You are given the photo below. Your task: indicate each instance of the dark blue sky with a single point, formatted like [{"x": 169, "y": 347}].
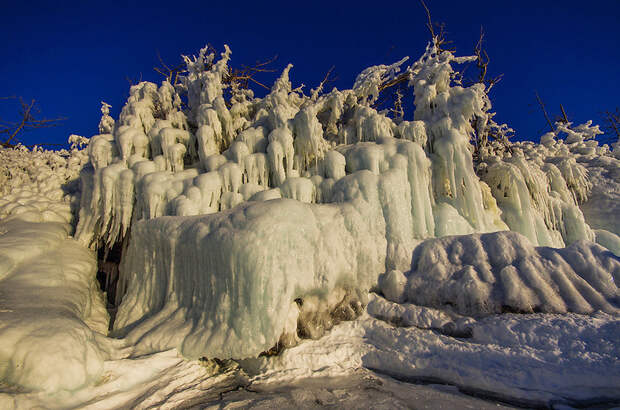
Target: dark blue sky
[{"x": 72, "y": 55}]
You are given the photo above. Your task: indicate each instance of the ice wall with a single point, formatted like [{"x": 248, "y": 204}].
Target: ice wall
[{"x": 223, "y": 285}]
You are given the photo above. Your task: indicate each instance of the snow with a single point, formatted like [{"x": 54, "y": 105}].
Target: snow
[
  {"x": 530, "y": 360},
  {"x": 52, "y": 314},
  {"x": 58, "y": 328},
  {"x": 310, "y": 249},
  {"x": 496, "y": 272}
]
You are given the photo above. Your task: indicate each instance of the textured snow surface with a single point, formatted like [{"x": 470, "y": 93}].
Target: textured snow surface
[
  {"x": 502, "y": 271},
  {"x": 531, "y": 360},
  {"x": 51, "y": 308},
  {"x": 539, "y": 360},
  {"x": 165, "y": 380}
]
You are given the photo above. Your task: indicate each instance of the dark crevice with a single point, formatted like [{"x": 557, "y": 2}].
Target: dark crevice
[{"x": 108, "y": 262}]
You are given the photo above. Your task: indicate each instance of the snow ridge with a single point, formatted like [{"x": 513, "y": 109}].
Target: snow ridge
[{"x": 498, "y": 272}]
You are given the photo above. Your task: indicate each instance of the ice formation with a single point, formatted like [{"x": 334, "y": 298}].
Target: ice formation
[
  {"x": 498, "y": 272},
  {"x": 161, "y": 160},
  {"x": 248, "y": 223},
  {"x": 539, "y": 188},
  {"x": 39, "y": 184},
  {"x": 237, "y": 205},
  {"x": 231, "y": 293}
]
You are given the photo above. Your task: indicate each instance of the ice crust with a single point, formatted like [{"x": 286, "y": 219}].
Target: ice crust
[{"x": 237, "y": 207}]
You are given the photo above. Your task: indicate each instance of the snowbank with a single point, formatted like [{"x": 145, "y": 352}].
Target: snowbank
[
  {"x": 51, "y": 310},
  {"x": 502, "y": 271},
  {"x": 538, "y": 360},
  {"x": 52, "y": 314}
]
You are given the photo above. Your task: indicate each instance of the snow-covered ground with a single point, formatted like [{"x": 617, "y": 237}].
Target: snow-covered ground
[{"x": 308, "y": 250}]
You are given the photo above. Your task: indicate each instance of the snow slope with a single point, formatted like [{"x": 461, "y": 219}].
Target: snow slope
[
  {"x": 51, "y": 308},
  {"x": 52, "y": 314}
]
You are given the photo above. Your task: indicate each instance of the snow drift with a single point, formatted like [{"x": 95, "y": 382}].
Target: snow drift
[
  {"x": 51, "y": 308},
  {"x": 499, "y": 272}
]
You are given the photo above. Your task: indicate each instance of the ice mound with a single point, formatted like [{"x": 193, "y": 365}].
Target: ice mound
[
  {"x": 609, "y": 240},
  {"x": 421, "y": 317},
  {"x": 502, "y": 271},
  {"x": 224, "y": 285},
  {"x": 602, "y": 208},
  {"x": 51, "y": 308},
  {"x": 539, "y": 188}
]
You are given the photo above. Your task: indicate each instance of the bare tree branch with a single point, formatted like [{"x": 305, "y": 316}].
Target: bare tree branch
[
  {"x": 132, "y": 81},
  {"x": 326, "y": 80},
  {"x": 429, "y": 23},
  {"x": 482, "y": 62},
  {"x": 439, "y": 38},
  {"x": 542, "y": 106},
  {"x": 565, "y": 117},
  {"x": 28, "y": 121},
  {"x": 612, "y": 120},
  {"x": 244, "y": 75},
  {"x": 171, "y": 74}
]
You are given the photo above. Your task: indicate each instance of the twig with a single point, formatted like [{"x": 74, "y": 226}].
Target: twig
[
  {"x": 27, "y": 121},
  {"x": 564, "y": 114},
  {"x": 542, "y": 106},
  {"x": 429, "y": 23}
]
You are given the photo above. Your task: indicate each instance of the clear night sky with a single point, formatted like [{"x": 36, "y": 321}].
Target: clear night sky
[{"x": 72, "y": 55}]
